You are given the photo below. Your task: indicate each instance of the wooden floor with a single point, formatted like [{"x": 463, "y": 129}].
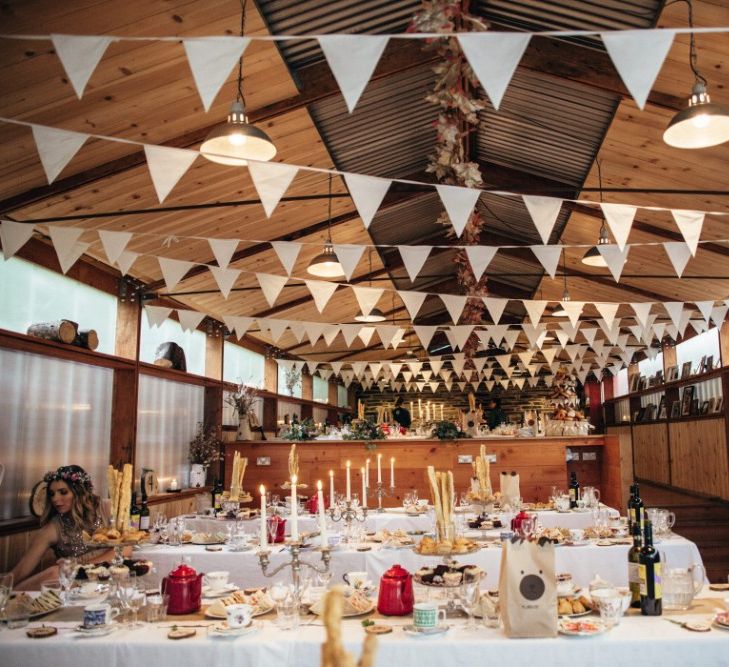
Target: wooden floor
[{"x": 704, "y": 521}]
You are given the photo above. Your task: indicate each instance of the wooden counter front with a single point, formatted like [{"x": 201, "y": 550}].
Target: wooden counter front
[{"x": 540, "y": 462}]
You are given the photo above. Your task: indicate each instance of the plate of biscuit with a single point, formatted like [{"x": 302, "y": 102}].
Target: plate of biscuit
[
  {"x": 112, "y": 537},
  {"x": 574, "y": 606},
  {"x": 429, "y": 546}
]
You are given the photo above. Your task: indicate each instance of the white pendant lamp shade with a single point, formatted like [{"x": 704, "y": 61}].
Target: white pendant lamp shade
[
  {"x": 326, "y": 264},
  {"x": 593, "y": 257},
  {"x": 236, "y": 141},
  {"x": 376, "y": 315},
  {"x": 700, "y": 125}
]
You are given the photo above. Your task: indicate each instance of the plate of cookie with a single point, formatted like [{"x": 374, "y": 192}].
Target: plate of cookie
[
  {"x": 574, "y": 606},
  {"x": 429, "y": 546}
]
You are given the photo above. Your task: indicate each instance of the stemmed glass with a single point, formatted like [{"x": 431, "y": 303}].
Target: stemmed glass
[
  {"x": 407, "y": 501},
  {"x": 6, "y": 588},
  {"x": 132, "y": 597},
  {"x": 66, "y": 572},
  {"x": 470, "y": 597}
]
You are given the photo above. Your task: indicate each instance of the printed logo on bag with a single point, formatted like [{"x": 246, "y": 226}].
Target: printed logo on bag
[{"x": 532, "y": 587}]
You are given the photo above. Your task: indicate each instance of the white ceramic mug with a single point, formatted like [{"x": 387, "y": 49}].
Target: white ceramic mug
[
  {"x": 577, "y": 534},
  {"x": 355, "y": 579},
  {"x": 217, "y": 580},
  {"x": 427, "y": 615},
  {"x": 239, "y": 615},
  {"x": 99, "y": 614}
]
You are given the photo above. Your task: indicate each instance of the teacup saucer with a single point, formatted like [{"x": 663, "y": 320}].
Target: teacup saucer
[
  {"x": 416, "y": 631},
  {"x": 97, "y": 630},
  {"x": 220, "y": 592},
  {"x": 222, "y": 629}
]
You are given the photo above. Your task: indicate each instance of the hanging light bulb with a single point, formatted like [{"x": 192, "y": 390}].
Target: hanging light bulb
[
  {"x": 593, "y": 257},
  {"x": 375, "y": 315},
  {"x": 326, "y": 263},
  {"x": 235, "y": 142},
  {"x": 702, "y": 123}
]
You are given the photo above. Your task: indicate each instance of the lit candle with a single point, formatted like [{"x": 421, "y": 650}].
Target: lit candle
[
  {"x": 322, "y": 517},
  {"x": 349, "y": 481},
  {"x": 441, "y": 412},
  {"x": 392, "y": 472},
  {"x": 331, "y": 488},
  {"x": 294, "y": 511},
  {"x": 263, "y": 541},
  {"x": 173, "y": 484},
  {"x": 412, "y": 412},
  {"x": 364, "y": 488},
  {"x": 420, "y": 408},
  {"x": 367, "y": 473},
  {"x": 379, "y": 468}
]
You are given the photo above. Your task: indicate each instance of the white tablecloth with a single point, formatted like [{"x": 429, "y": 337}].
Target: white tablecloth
[
  {"x": 582, "y": 562},
  {"x": 645, "y": 641}
]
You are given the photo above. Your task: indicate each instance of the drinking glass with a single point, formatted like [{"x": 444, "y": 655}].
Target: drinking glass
[
  {"x": 355, "y": 500},
  {"x": 470, "y": 598},
  {"x": 66, "y": 572},
  {"x": 323, "y": 579},
  {"x": 611, "y": 609},
  {"x": 157, "y": 607},
  {"x": 272, "y": 527},
  {"x": 6, "y": 588},
  {"x": 415, "y": 496},
  {"x": 463, "y": 500}
]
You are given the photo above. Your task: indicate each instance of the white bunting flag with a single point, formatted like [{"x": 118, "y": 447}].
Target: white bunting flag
[
  {"x": 241, "y": 325},
  {"x": 525, "y": 357},
  {"x": 425, "y": 334},
  {"x": 387, "y": 333},
  {"x": 549, "y": 353},
  {"x": 533, "y": 332},
  {"x": 375, "y": 368},
  {"x": 679, "y": 253},
  {"x": 548, "y": 255},
  {"x": 495, "y": 307},
  {"x": 490, "y": 385},
  {"x": 494, "y": 57},
  {"x": 348, "y": 256},
  {"x": 718, "y": 314},
  {"x": 156, "y": 314},
  {"x": 705, "y": 308},
  {"x": 79, "y": 55},
  {"x": 455, "y": 304},
  {"x": 125, "y": 261},
  {"x": 573, "y": 310},
  {"x": 189, "y": 319},
  {"x": 533, "y": 382},
  {"x": 607, "y": 311},
  {"x": 271, "y": 180},
  {"x": 67, "y": 246},
  {"x": 689, "y": 223},
  {"x": 287, "y": 253},
  {"x": 461, "y": 334},
  {"x": 642, "y": 310},
  {"x": 223, "y": 250},
  {"x": 674, "y": 310},
  {"x": 114, "y": 243},
  {"x": 510, "y": 338},
  {"x": 271, "y": 286},
  {"x": 14, "y": 235},
  {"x": 167, "y": 166},
  {"x": 225, "y": 279},
  {"x": 480, "y": 257},
  {"x": 277, "y": 329},
  {"x": 352, "y": 59},
  {"x": 173, "y": 271},
  {"x": 367, "y": 297},
  {"x": 457, "y": 364},
  {"x": 297, "y": 329},
  {"x": 589, "y": 333},
  {"x": 367, "y": 193},
  {"x": 350, "y": 332},
  {"x": 615, "y": 258},
  {"x": 638, "y": 56},
  {"x": 535, "y": 309},
  {"x": 415, "y": 366},
  {"x": 413, "y": 257},
  {"x": 620, "y": 220},
  {"x": 314, "y": 331},
  {"x": 459, "y": 204},
  {"x": 563, "y": 337},
  {"x": 211, "y": 60},
  {"x": 322, "y": 291},
  {"x": 365, "y": 335},
  {"x": 544, "y": 212},
  {"x": 435, "y": 364},
  {"x": 56, "y": 148},
  {"x": 331, "y": 331},
  {"x": 478, "y": 363},
  {"x": 413, "y": 301}
]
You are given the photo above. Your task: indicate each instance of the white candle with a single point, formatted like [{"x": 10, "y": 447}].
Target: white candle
[
  {"x": 263, "y": 540},
  {"x": 379, "y": 468},
  {"x": 392, "y": 472},
  {"x": 173, "y": 484},
  {"x": 349, "y": 481},
  {"x": 294, "y": 510},
  {"x": 412, "y": 412},
  {"x": 331, "y": 488},
  {"x": 367, "y": 473},
  {"x": 322, "y": 517},
  {"x": 364, "y": 488},
  {"x": 441, "y": 412},
  {"x": 420, "y": 408}
]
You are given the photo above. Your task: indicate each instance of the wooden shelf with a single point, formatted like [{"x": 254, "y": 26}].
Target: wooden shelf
[{"x": 675, "y": 384}]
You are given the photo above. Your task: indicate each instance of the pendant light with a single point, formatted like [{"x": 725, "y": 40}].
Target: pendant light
[
  {"x": 236, "y": 141},
  {"x": 375, "y": 315},
  {"x": 593, "y": 257},
  {"x": 561, "y": 312},
  {"x": 702, "y": 123},
  {"x": 326, "y": 263}
]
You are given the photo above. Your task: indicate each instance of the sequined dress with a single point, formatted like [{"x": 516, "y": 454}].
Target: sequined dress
[{"x": 70, "y": 542}]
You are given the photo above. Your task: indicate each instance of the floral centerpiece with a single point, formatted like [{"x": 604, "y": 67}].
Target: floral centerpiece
[
  {"x": 243, "y": 399},
  {"x": 292, "y": 379},
  {"x": 361, "y": 429},
  {"x": 204, "y": 451},
  {"x": 446, "y": 430},
  {"x": 304, "y": 430}
]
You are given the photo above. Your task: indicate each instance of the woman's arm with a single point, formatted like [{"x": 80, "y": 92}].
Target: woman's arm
[{"x": 46, "y": 537}]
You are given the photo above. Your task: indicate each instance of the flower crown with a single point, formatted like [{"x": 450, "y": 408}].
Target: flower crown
[{"x": 69, "y": 476}]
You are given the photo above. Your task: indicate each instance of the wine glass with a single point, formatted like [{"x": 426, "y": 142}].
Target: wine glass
[
  {"x": 6, "y": 588},
  {"x": 66, "y": 572},
  {"x": 136, "y": 600},
  {"x": 470, "y": 597}
]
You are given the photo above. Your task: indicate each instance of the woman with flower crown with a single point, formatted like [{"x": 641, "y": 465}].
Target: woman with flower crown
[{"x": 71, "y": 508}]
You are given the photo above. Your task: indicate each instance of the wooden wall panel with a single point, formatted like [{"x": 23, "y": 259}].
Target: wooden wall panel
[
  {"x": 699, "y": 456},
  {"x": 651, "y": 453},
  {"x": 617, "y": 466}
]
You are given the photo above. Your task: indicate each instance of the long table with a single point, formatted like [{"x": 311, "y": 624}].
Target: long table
[{"x": 649, "y": 641}]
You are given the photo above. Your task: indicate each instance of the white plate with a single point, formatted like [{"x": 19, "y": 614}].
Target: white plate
[
  {"x": 98, "y": 631},
  {"x": 210, "y": 593},
  {"x": 581, "y": 543},
  {"x": 222, "y": 630},
  {"x": 100, "y": 590},
  {"x": 596, "y": 628},
  {"x": 414, "y": 631},
  {"x": 215, "y": 611},
  {"x": 349, "y": 614}
]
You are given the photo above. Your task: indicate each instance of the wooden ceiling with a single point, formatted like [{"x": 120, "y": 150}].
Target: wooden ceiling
[{"x": 143, "y": 91}]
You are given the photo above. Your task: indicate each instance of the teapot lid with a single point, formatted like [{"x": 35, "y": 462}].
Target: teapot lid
[
  {"x": 182, "y": 571},
  {"x": 396, "y": 572}
]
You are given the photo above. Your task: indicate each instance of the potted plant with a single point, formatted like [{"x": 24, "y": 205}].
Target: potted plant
[
  {"x": 204, "y": 451},
  {"x": 243, "y": 399},
  {"x": 292, "y": 379},
  {"x": 303, "y": 430}
]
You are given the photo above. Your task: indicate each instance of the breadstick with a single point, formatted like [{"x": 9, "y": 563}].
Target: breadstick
[
  {"x": 243, "y": 464},
  {"x": 436, "y": 498},
  {"x": 125, "y": 498},
  {"x": 451, "y": 499}
]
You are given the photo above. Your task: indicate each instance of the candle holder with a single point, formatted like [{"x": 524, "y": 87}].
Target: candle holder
[
  {"x": 296, "y": 564},
  {"x": 379, "y": 492},
  {"x": 349, "y": 514}
]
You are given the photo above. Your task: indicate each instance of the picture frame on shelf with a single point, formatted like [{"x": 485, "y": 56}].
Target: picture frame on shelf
[
  {"x": 708, "y": 364},
  {"x": 662, "y": 408},
  {"x": 659, "y": 377},
  {"x": 702, "y": 365},
  {"x": 650, "y": 412},
  {"x": 695, "y": 407},
  {"x": 634, "y": 381},
  {"x": 672, "y": 374},
  {"x": 642, "y": 383},
  {"x": 704, "y": 410},
  {"x": 675, "y": 409},
  {"x": 641, "y": 415},
  {"x": 719, "y": 404},
  {"x": 636, "y": 414},
  {"x": 687, "y": 399},
  {"x": 686, "y": 370}
]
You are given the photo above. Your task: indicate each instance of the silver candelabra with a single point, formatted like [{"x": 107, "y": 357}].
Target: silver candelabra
[
  {"x": 380, "y": 493},
  {"x": 349, "y": 514},
  {"x": 295, "y": 564}
]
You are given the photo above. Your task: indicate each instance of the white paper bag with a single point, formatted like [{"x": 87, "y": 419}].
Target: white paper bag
[{"x": 509, "y": 487}]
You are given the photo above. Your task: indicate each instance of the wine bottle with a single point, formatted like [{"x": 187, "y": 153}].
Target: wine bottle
[
  {"x": 649, "y": 568},
  {"x": 144, "y": 514},
  {"x": 134, "y": 511},
  {"x": 631, "y": 510},
  {"x": 634, "y": 567},
  {"x": 574, "y": 490},
  {"x": 638, "y": 508},
  {"x": 217, "y": 494}
]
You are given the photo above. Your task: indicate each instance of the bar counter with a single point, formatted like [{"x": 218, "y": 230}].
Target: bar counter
[{"x": 541, "y": 463}]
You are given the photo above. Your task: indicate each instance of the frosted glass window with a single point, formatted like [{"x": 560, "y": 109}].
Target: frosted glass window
[
  {"x": 192, "y": 342},
  {"x": 620, "y": 383},
  {"x": 648, "y": 367},
  {"x": 321, "y": 390},
  {"x": 283, "y": 389},
  {"x": 53, "y": 413},
  {"x": 168, "y": 415},
  {"x": 30, "y": 293},
  {"x": 705, "y": 344},
  {"x": 288, "y": 409},
  {"x": 241, "y": 365},
  {"x": 320, "y": 415},
  {"x": 342, "y": 397}
]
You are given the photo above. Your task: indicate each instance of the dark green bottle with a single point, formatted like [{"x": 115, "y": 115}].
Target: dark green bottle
[
  {"x": 651, "y": 593},
  {"x": 634, "y": 567}
]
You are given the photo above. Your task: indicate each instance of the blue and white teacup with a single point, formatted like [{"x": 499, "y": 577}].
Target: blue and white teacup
[{"x": 99, "y": 614}]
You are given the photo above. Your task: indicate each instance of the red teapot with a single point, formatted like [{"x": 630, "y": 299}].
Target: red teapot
[
  {"x": 396, "y": 592},
  {"x": 276, "y": 525},
  {"x": 184, "y": 586}
]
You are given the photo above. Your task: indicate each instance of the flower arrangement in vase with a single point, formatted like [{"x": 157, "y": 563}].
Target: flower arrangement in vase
[
  {"x": 243, "y": 399},
  {"x": 204, "y": 451}
]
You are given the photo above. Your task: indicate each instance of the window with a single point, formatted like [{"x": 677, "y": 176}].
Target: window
[
  {"x": 320, "y": 415},
  {"x": 242, "y": 365},
  {"x": 168, "y": 415},
  {"x": 693, "y": 349},
  {"x": 282, "y": 388},
  {"x": 620, "y": 383},
  {"x": 53, "y": 413},
  {"x": 321, "y": 390},
  {"x": 192, "y": 342},
  {"x": 342, "y": 396},
  {"x": 30, "y": 293},
  {"x": 648, "y": 367}
]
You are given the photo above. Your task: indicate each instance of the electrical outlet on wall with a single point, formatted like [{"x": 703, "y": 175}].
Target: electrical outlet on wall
[
  {"x": 263, "y": 461},
  {"x": 589, "y": 456},
  {"x": 465, "y": 458},
  {"x": 491, "y": 458}
]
